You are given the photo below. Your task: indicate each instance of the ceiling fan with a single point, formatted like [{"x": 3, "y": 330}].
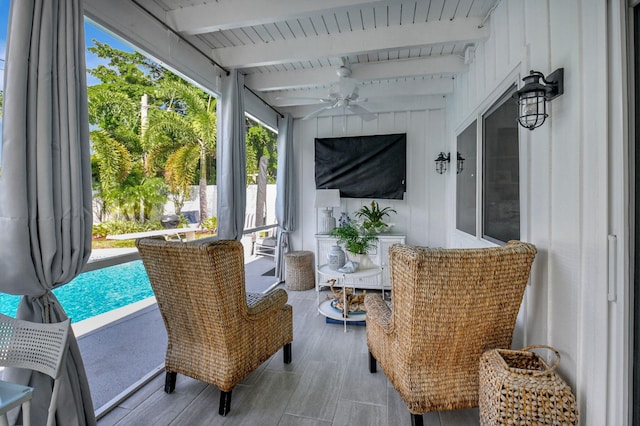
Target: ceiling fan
[{"x": 344, "y": 94}]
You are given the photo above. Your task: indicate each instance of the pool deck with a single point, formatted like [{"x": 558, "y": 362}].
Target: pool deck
[
  {"x": 99, "y": 254},
  {"x": 121, "y": 347}
]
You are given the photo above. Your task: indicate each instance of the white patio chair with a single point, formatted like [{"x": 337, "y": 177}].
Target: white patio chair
[
  {"x": 265, "y": 245},
  {"x": 34, "y": 346}
]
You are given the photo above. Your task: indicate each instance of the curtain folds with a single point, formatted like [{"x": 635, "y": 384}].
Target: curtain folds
[
  {"x": 285, "y": 192},
  {"x": 231, "y": 161},
  {"x": 45, "y": 185}
]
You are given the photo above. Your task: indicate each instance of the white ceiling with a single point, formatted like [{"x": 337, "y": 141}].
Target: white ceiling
[{"x": 291, "y": 49}]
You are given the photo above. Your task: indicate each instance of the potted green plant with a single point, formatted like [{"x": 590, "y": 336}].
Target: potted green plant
[
  {"x": 356, "y": 241},
  {"x": 372, "y": 217}
]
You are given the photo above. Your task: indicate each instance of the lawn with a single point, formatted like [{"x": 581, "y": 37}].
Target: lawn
[{"x": 103, "y": 243}]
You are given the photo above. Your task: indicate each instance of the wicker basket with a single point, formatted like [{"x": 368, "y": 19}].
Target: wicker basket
[
  {"x": 519, "y": 388},
  {"x": 299, "y": 270}
]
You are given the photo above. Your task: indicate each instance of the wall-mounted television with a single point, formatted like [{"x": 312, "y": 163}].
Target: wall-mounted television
[{"x": 363, "y": 166}]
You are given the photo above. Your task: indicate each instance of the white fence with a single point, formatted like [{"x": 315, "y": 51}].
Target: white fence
[{"x": 193, "y": 204}]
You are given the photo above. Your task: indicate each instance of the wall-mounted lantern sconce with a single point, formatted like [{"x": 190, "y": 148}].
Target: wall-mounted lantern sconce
[
  {"x": 459, "y": 164},
  {"x": 533, "y": 97},
  {"x": 441, "y": 162}
]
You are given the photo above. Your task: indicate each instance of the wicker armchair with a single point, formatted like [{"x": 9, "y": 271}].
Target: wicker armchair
[
  {"x": 217, "y": 332},
  {"x": 449, "y": 307}
]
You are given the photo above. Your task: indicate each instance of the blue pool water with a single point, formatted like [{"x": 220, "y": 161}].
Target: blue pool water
[{"x": 96, "y": 292}]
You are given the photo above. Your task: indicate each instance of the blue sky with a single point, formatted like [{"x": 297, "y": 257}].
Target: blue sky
[
  {"x": 91, "y": 33},
  {"x": 4, "y": 18}
]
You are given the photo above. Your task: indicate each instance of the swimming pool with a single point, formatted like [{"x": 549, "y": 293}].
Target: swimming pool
[{"x": 95, "y": 292}]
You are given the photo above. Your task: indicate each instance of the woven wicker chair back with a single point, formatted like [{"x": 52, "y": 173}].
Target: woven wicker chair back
[
  {"x": 449, "y": 307},
  {"x": 216, "y": 333},
  {"x": 199, "y": 284}
]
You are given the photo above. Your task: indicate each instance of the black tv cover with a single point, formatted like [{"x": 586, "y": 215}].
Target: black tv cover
[{"x": 362, "y": 166}]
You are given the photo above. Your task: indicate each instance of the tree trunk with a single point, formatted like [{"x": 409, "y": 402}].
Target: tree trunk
[
  {"x": 144, "y": 125},
  {"x": 261, "y": 196},
  {"x": 203, "y": 182}
]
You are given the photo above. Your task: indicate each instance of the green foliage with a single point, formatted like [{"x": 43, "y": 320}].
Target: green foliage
[
  {"x": 373, "y": 217},
  {"x": 176, "y": 143},
  {"x": 261, "y": 142},
  {"x": 180, "y": 123},
  {"x": 186, "y": 127},
  {"x": 114, "y": 227},
  {"x": 101, "y": 243},
  {"x": 210, "y": 223},
  {"x": 354, "y": 240},
  {"x": 116, "y": 114},
  {"x": 114, "y": 110},
  {"x": 181, "y": 167},
  {"x": 128, "y": 72},
  {"x": 112, "y": 158},
  {"x": 183, "y": 223},
  {"x": 180, "y": 171},
  {"x": 195, "y": 107},
  {"x": 167, "y": 132},
  {"x": 138, "y": 196}
]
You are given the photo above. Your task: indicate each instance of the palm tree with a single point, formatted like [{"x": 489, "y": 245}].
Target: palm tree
[
  {"x": 180, "y": 137},
  {"x": 122, "y": 184}
]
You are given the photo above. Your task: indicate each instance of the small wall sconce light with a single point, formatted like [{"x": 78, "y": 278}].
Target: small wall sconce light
[
  {"x": 533, "y": 97},
  {"x": 442, "y": 162},
  {"x": 459, "y": 164}
]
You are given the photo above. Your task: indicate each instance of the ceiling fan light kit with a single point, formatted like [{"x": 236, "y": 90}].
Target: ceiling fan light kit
[
  {"x": 344, "y": 94},
  {"x": 343, "y": 71}
]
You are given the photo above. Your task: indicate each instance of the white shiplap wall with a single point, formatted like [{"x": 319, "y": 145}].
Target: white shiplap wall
[
  {"x": 423, "y": 209},
  {"x": 564, "y": 186}
]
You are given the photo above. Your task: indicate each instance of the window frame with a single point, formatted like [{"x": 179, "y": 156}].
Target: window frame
[
  {"x": 495, "y": 106},
  {"x": 462, "y": 238},
  {"x": 470, "y": 167}
]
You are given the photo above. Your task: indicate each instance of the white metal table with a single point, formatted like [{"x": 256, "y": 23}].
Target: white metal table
[
  {"x": 13, "y": 395},
  {"x": 344, "y": 280}
]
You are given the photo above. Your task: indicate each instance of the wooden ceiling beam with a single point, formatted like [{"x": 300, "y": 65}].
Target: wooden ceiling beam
[
  {"x": 406, "y": 68},
  {"x": 226, "y": 14},
  {"x": 353, "y": 43},
  {"x": 373, "y": 92}
]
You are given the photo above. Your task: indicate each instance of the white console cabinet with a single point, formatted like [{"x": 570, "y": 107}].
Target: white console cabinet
[{"x": 379, "y": 255}]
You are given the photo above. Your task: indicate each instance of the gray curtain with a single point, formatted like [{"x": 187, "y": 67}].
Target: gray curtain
[
  {"x": 285, "y": 192},
  {"x": 45, "y": 185},
  {"x": 231, "y": 161}
]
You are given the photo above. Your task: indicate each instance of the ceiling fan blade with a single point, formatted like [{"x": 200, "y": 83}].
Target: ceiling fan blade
[
  {"x": 317, "y": 112},
  {"x": 359, "y": 100},
  {"x": 362, "y": 112},
  {"x": 353, "y": 97},
  {"x": 316, "y": 100}
]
